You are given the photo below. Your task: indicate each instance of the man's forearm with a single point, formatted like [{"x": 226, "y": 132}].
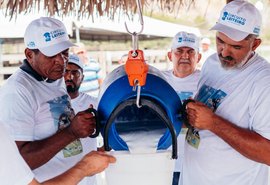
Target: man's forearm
[
  {"x": 37, "y": 153},
  {"x": 70, "y": 177},
  {"x": 247, "y": 142},
  {"x": 91, "y": 164}
]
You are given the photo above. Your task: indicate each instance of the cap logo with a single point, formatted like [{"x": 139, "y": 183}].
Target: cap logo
[
  {"x": 47, "y": 37},
  {"x": 31, "y": 44},
  {"x": 57, "y": 33},
  {"x": 256, "y": 30},
  {"x": 186, "y": 39},
  {"x": 180, "y": 39},
  {"x": 54, "y": 34},
  {"x": 232, "y": 18}
]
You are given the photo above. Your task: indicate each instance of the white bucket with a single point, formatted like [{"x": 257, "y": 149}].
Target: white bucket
[{"x": 141, "y": 169}]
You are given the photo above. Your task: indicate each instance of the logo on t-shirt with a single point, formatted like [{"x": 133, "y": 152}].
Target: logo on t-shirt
[
  {"x": 63, "y": 114},
  {"x": 184, "y": 95},
  {"x": 210, "y": 96}
]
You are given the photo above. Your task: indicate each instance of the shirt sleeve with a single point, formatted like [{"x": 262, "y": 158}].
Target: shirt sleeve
[
  {"x": 17, "y": 113},
  {"x": 259, "y": 107},
  {"x": 13, "y": 169}
]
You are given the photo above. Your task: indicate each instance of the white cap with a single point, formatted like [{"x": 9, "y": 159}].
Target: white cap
[
  {"x": 238, "y": 19},
  {"x": 48, "y": 35},
  {"x": 74, "y": 59},
  {"x": 206, "y": 40},
  {"x": 184, "y": 39}
]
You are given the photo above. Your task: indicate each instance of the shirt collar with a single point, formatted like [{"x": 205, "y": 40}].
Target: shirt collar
[{"x": 26, "y": 67}]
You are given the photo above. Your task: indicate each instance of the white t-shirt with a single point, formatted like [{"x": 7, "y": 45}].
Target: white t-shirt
[
  {"x": 82, "y": 102},
  {"x": 185, "y": 88},
  {"x": 243, "y": 98},
  {"x": 13, "y": 169},
  {"x": 78, "y": 104},
  {"x": 34, "y": 110}
]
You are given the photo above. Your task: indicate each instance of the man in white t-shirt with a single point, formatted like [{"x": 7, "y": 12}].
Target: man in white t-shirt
[
  {"x": 231, "y": 140},
  {"x": 35, "y": 106},
  {"x": 184, "y": 79},
  {"x": 14, "y": 170},
  {"x": 80, "y": 101}
]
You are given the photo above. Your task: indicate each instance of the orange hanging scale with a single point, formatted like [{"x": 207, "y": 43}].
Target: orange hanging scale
[{"x": 136, "y": 68}]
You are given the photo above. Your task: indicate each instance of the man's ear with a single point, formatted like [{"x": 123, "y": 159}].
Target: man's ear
[
  {"x": 29, "y": 54},
  {"x": 256, "y": 43},
  {"x": 169, "y": 55},
  {"x": 199, "y": 57}
]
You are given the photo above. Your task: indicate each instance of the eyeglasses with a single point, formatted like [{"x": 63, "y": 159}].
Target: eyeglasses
[{"x": 76, "y": 73}]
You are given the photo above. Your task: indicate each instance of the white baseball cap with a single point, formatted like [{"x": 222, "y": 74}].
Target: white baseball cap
[
  {"x": 74, "y": 59},
  {"x": 206, "y": 40},
  {"x": 238, "y": 19},
  {"x": 48, "y": 35},
  {"x": 184, "y": 39}
]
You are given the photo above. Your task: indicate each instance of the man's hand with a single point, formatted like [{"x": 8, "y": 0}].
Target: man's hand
[
  {"x": 95, "y": 162},
  {"x": 200, "y": 116},
  {"x": 91, "y": 164},
  {"x": 83, "y": 124}
]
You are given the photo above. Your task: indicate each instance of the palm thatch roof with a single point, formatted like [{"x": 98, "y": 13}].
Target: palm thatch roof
[{"x": 89, "y": 8}]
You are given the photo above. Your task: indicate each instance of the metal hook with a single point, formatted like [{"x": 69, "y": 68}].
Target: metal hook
[
  {"x": 135, "y": 34},
  {"x": 138, "y": 2},
  {"x": 137, "y": 84},
  {"x": 138, "y": 97}
]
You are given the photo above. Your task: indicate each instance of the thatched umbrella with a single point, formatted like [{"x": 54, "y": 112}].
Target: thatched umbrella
[{"x": 83, "y": 8}]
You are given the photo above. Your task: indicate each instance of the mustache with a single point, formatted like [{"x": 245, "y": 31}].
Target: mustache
[
  {"x": 229, "y": 58},
  {"x": 183, "y": 61},
  {"x": 70, "y": 81}
]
